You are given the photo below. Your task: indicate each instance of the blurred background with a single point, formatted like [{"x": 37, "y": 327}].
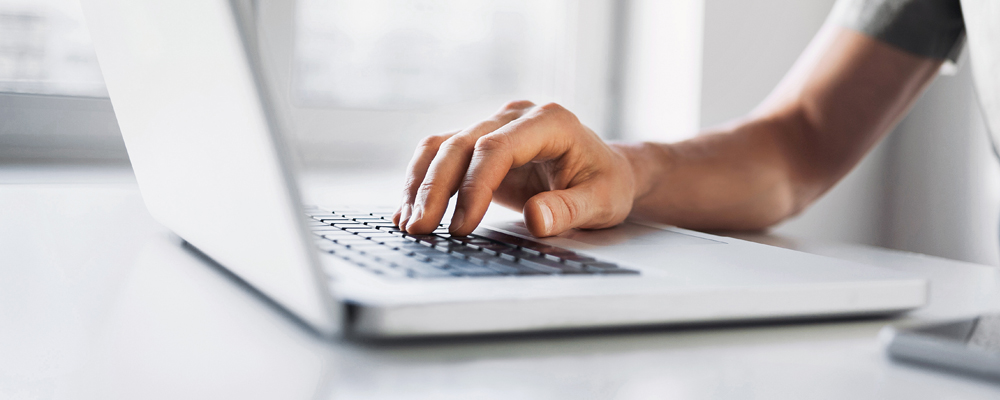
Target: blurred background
[{"x": 363, "y": 80}]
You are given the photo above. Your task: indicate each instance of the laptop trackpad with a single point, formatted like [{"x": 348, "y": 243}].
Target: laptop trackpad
[{"x": 628, "y": 234}]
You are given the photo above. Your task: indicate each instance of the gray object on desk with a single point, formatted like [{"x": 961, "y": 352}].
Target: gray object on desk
[{"x": 969, "y": 346}]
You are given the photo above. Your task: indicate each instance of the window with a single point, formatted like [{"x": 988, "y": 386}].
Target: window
[
  {"x": 361, "y": 81},
  {"x": 53, "y": 103},
  {"x": 45, "y": 49},
  {"x": 358, "y": 75},
  {"x": 419, "y": 54}
]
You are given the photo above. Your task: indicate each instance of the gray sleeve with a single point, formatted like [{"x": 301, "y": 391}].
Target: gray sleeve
[{"x": 929, "y": 28}]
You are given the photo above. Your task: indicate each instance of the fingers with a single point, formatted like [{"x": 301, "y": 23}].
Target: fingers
[
  {"x": 545, "y": 133},
  {"x": 448, "y": 167},
  {"x": 415, "y": 173},
  {"x": 553, "y": 212}
]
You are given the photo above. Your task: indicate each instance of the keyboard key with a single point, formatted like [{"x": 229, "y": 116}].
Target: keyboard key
[
  {"x": 419, "y": 257},
  {"x": 468, "y": 269},
  {"x": 530, "y": 251},
  {"x": 331, "y": 218},
  {"x": 365, "y": 246},
  {"x": 376, "y": 234},
  {"x": 389, "y": 242},
  {"x": 538, "y": 266},
  {"x": 426, "y": 238},
  {"x": 503, "y": 238},
  {"x": 355, "y": 226},
  {"x": 549, "y": 266},
  {"x": 324, "y": 214},
  {"x": 432, "y": 241},
  {"x": 369, "y": 219},
  {"x": 473, "y": 256},
  {"x": 445, "y": 247},
  {"x": 503, "y": 268},
  {"x": 575, "y": 260},
  {"x": 340, "y": 236},
  {"x": 514, "y": 254},
  {"x": 333, "y": 231},
  {"x": 467, "y": 239},
  {"x": 327, "y": 246},
  {"x": 397, "y": 259},
  {"x": 491, "y": 248},
  {"x": 388, "y": 271},
  {"x": 411, "y": 247},
  {"x": 499, "y": 263},
  {"x": 426, "y": 271},
  {"x": 347, "y": 241},
  {"x": 544, "y": 248},
  {"x": 379, "y": 223},
  {"x": 371, "y": 241}
]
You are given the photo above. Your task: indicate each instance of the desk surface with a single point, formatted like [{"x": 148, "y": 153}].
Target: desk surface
[{"x": 98, "y": 301}]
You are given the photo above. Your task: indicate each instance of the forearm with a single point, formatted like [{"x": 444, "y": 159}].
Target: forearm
[
  {"x": 733, "y": 178},
  {"x": 844, "y": 94}
]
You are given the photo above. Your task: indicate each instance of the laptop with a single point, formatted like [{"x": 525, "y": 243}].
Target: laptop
[{"x": 209, "y": 154}]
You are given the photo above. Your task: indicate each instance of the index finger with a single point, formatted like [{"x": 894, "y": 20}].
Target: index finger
[
  {"x": 449, "y": 166},
  {"x": 540, "y": 135}
]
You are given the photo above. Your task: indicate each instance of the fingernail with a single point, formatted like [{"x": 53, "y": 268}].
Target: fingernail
[
  {"x": 418, "y": 212},
  {"x": 546, "y": 217},
  {"x": 404, "y": 216},
  {"x": 457, "y": 220}
]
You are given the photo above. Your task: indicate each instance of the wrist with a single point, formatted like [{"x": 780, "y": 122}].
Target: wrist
[{"x": 648, "y": 163}]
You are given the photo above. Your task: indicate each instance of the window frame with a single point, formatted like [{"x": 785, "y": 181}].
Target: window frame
[{"x": 37, "y": 127}]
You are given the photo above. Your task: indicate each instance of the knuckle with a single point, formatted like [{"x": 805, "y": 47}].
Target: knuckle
[
  {"x": 411, "y": 182},
  {"x": 612, "y": 213},
  {"x": 426, "y": 186},
  {"x": 552, "y": 107},
  {"x": 557, "y": 111},
  {"x": 431, "y": 142},
  {"x": 517, "y": 105},
  {"x": 605, "y": 213},
  {"x": 472, "y": 186},
  {"x": 459, "y": 141},
  {"x": 492, "y": 142},
  {"x": 411, "y": 186}
]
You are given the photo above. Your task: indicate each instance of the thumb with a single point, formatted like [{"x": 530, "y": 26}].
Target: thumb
[{"x": 554, "y": 212}]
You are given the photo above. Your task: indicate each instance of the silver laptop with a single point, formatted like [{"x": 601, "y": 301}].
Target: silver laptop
[{"x": 208, "y": 153}]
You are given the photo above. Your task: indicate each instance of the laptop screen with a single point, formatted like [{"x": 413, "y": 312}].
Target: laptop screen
[{"x": 203, "y": 144}]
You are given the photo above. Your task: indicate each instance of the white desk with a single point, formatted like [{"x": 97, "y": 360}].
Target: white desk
[{"x": 97, "y": 301}]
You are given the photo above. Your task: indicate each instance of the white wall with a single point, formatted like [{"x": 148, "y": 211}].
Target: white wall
[
  {"x": 932, "y": 187},
  {"x": 942, "y": 180},
  {"x": 661, "y": 82},
  {"x": 749, "y": 45}
]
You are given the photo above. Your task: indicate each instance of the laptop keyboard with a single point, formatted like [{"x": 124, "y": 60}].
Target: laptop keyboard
[{"x": 373, "y": 242}]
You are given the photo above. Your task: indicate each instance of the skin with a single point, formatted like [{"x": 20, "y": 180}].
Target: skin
[{"x": 843, "y": 95}]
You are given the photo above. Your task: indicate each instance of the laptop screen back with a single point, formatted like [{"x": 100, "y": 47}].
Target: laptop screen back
[{"x": 201, "y": 141}]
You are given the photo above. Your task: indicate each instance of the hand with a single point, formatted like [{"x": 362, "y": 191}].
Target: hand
[{"x": 538, "y": 159}]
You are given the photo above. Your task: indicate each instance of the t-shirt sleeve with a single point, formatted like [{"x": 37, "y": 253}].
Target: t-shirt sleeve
[{"x": 929, "y": 28}]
